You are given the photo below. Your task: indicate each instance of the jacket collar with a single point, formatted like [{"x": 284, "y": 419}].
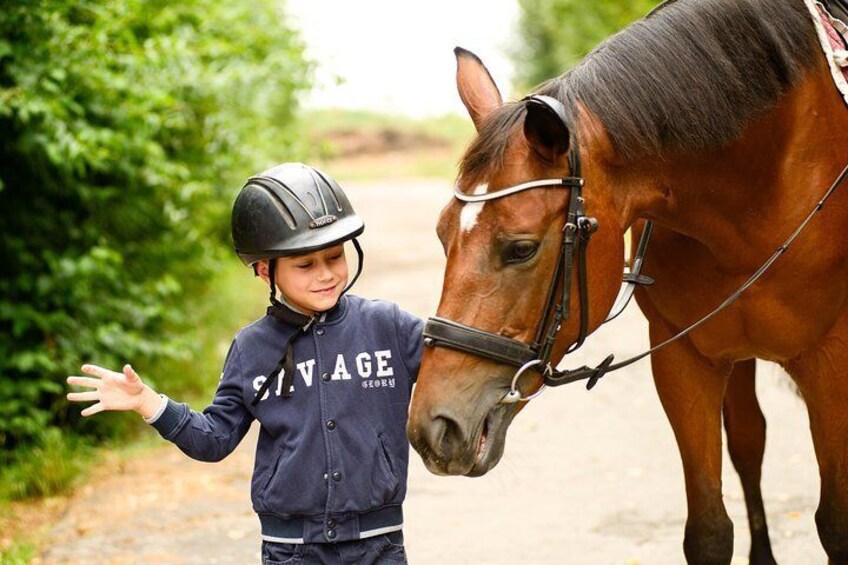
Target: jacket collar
[{"x": 287, "y": 314}]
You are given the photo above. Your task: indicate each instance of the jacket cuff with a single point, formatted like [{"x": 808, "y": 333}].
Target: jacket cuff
[
  {"x": 162, "y": 405},
  {"x": 170, "y": 418}
]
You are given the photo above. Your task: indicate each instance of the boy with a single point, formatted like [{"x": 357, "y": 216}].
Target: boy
[{"x": 331, "y": 460}]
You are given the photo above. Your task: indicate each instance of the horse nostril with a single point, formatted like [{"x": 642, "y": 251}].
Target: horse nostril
[
  {"x": 446, "y": 437},
  {"x": 439, "y": 439}
]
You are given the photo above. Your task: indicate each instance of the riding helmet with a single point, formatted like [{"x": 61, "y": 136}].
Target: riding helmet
[{"x": 291, "y": 209}]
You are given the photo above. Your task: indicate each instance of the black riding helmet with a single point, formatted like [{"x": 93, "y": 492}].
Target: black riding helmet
[
  {"x": 291, "y": 209},
  {"x": 288, "y": 210}
]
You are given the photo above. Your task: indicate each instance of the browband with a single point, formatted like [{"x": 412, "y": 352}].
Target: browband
[{"x": 566, "y": 182}]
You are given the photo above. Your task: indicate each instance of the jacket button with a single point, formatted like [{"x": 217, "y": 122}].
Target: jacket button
[
  {"x": 337, "y": 476},
  {"x": 325, "y": 377},
  {"x": 331, "y": 523},
  {"x": 320, "y": 331},
  {"x": 331, "y": 425},
  {"x": 326, "y": 476},
  {"x": 331, "y": 534}
]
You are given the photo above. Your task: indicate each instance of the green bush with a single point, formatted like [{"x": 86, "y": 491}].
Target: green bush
[
  {"x": 20, "y": 554},
  {"x": 44, "y": 469},
  {"x": 554, "y": 35},
  {"x": 126, "y": 127}
]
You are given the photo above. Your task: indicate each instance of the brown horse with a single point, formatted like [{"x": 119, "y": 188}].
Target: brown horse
[{"x": 718, "y": 121}]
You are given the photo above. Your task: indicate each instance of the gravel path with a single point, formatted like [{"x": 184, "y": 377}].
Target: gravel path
[{"x": 586, "y": 478}]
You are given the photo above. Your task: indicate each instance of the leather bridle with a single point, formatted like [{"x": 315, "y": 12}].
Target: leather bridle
[
  {"x": 577, "y": 232},
  {"x": 578, "y": 229}
]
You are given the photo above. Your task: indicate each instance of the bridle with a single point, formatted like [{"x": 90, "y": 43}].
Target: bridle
[{"x": 577, "y": 232}]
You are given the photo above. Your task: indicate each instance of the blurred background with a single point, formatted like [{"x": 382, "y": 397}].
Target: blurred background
[{"x": 127, "y": 128}]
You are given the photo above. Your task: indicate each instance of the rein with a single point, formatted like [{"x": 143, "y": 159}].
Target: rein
[{"x": 578, "y": 229}]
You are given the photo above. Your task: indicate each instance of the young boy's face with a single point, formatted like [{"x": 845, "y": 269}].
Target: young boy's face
[{"x": 312, "y": 282}]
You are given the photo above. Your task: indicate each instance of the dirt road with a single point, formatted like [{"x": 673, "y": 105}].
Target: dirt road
[{"x": 587, "y": 478}]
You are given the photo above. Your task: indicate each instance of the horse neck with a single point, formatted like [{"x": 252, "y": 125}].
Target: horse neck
[{"x": 727, "y": 198}]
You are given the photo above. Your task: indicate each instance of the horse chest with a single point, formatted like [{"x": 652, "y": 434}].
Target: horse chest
[{"x": 790, "y": 309}]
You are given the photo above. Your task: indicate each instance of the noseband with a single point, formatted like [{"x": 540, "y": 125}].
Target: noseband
[{"x": 578, "y": 229}]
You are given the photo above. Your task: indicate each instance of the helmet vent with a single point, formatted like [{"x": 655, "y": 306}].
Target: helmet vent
[
  {"x": 281, "y": 207},
  {"x": 332, "y": 191},
  {"x": 317, "y": 184},
  {"x": 287, "y": 189}
]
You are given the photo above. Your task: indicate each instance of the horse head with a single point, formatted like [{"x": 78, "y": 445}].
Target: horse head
[{"x": 502, "y": 256}]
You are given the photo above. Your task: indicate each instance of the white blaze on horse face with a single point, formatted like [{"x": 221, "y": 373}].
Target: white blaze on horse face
[{"x": 470, "y": 210}]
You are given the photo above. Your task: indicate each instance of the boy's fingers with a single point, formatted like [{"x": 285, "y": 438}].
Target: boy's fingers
[
  {"x": 83, "y": 396},
  {"x": 130, "y": 373},
  {"x": 92, "y": 410},
  {"x": 84, "y": 381},
  {"x": 96, "y": 371}
]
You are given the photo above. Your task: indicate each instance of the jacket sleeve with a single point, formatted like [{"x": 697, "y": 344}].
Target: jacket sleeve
[
  {"x": 410, "y": 336},
  {"x": 214, "y": 433}
]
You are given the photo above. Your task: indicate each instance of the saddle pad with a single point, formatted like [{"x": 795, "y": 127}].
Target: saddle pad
[{"x": 832, "y": 33}]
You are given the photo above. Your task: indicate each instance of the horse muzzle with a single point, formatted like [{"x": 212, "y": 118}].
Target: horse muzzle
[{"x": 452, "y": 443}]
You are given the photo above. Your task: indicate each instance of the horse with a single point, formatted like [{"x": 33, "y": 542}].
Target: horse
[{"x": 717, "y": 122}]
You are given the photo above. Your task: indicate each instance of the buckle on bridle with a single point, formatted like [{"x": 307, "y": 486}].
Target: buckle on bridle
[{"x": 587, "y": 225}]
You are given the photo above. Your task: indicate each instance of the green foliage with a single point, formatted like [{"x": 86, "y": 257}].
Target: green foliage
[
  {"x": 46, "y": 468},
  {"x": 556, "y": 34},
  {"x": 234, "y": 299},
  {"x": 126, "y": 127},
  {"x": 18, "y": 554}
]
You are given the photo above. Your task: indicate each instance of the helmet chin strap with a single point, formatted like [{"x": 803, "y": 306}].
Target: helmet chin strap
[
  {"x": 272, "y": 270},
  {"x": 360, "y": 259}
]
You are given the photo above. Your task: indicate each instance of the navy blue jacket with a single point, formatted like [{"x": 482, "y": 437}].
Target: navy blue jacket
[{"x": 331, "y": 460}]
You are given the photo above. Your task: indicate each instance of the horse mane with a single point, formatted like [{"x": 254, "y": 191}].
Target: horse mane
[{"x": 689, "y": 76}]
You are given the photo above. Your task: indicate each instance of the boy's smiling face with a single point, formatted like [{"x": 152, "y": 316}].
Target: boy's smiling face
[{"x": 312, "y": 282}]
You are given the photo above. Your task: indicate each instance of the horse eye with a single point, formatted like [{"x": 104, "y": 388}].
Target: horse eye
[{"x": 520, "y": 251}]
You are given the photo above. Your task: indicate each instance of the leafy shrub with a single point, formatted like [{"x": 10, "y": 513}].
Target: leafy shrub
[
  {"x": 556, "y": 34},
  {"x": 126, "y": 127},
  {"x": 44, "y": 469}
]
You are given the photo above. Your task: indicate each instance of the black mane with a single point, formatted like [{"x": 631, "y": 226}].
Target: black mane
[{"x": 689, "y": 76}]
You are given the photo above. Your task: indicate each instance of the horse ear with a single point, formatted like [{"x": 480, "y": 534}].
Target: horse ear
[
  {"x": 545, "y": 127},
  {"x": 477, "y": 89}
]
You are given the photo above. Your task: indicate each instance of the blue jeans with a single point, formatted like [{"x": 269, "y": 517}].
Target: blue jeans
[{"x": 378, "y": 550}]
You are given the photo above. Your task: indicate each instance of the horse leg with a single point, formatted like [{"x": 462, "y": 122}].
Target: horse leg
[
  {"x": 746, "y": 442},
  {"x": 823, "y": 382},
  {"x": 691, "y": 389}
]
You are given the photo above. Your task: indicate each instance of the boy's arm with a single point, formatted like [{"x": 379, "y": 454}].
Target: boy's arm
[
  {"x": 213, "y": 434},
  {"x": 207, "y": 436},
  {"x": 410, "y": 336}
]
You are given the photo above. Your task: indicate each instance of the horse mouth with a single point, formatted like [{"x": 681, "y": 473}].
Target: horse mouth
[{"x": 491, "y": 440}]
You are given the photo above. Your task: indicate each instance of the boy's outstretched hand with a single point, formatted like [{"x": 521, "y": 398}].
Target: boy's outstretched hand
[{"x": 114, "y": 391}]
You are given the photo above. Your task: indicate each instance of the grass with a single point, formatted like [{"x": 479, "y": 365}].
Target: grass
[
  {"x": 450, "y": 128},
  {"x": 46, "y": 469},
  {"x": 358, "y": 144},
  {"x": 30, "y": 477},
  {"x": 18, "y": 554}
]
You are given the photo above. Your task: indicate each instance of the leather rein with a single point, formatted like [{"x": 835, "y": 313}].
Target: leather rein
[{"x": 577, "y": 231}]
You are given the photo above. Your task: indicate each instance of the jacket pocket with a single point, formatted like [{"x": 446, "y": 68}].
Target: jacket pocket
[
  {"x": 275, "y": 470},
  {"x": 384, "y": 480},
  {"x": 295, "y": 486}
]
